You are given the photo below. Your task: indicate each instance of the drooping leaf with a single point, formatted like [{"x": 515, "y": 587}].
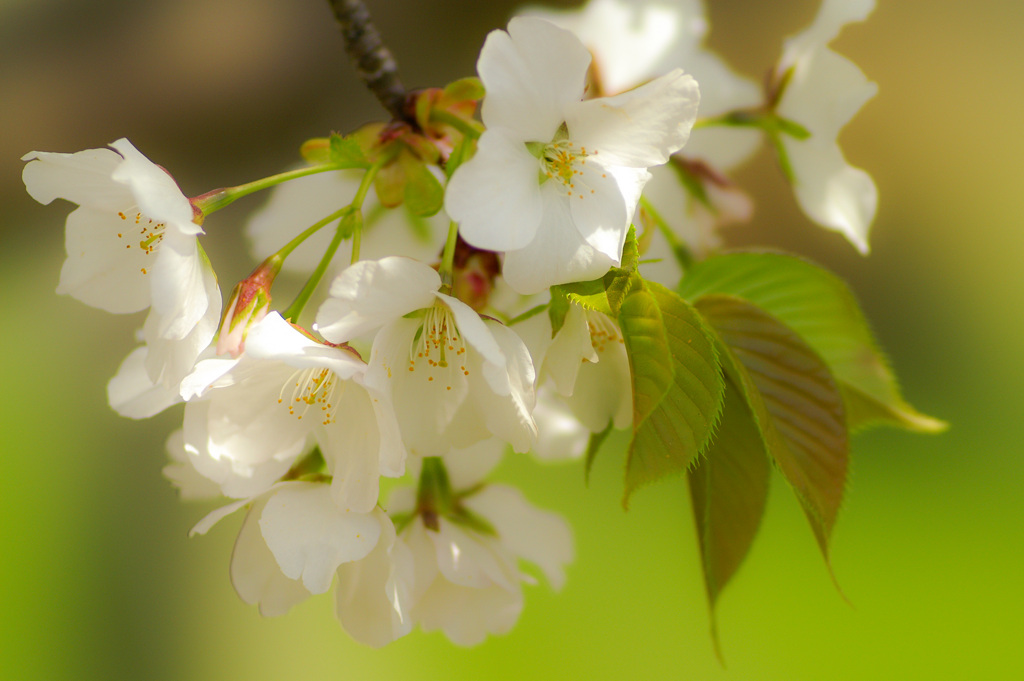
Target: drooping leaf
[
  {"x": 801, "y": 410},
  {"x": 346, "y": 152},
  {"x": 423, "y": 193},
  {"x": 593, "y": 445},
  {"x": 819, "y": 307},
  {"x": 728, "y": 490},
  {"x": 677, "y": 383}
]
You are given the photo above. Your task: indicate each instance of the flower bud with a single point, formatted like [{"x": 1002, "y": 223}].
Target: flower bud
[{"x": 249, "y": 304}]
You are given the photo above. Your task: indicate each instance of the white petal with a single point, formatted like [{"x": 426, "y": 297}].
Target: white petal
[
  {"x": 831, "y": 17},
  {"x": 155, "y": 191},
  {"x": 475, "y": 332},
  {"x": 467, "y": 467},
  {"x": 257, "y": 578},
  {"x": 374, "y": 594},
  {"x": 627, "y": 40},
  {"x": 82, "y": 178},
  {"x": 467, "y": 615},
  {"x": 541, "y": 537},
  {"x": 215, "y": 516},
  {"x": 558, "y": 254},
  {"x": 370, "y": 293},
  {"x": 639, "y": 128},
  {"x": 310, "y": 536},
  {"x": 351, "y": 448},
  {"x": 603, "y": 391},
  {"x": 272, "y": 338},
  {"x": 183, "y": 286},
  {"x": 824, "y": 93},
  {"x": 832, "y": 192},
  {"x": 508, "y": 415},
  {"x": 560, "y": 436},
  {"x": 191, "y": 484},
  {"x": 530, "y": 74},
  {"x": 104, "y": 268},
  {"x": 569, "y": 348},
  {"x": 133, "y": 394},
  {"x": 495, "y": 196},
  {"x": 468, "y": 560},
  {"x": 170, "y": 360},
  {"x": 604, "y": 206}
]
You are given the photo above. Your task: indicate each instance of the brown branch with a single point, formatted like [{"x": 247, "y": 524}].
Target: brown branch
[{"x": 372, "y": 59}]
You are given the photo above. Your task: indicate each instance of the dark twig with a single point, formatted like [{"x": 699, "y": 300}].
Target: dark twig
[{"x": 373, "y": 61}]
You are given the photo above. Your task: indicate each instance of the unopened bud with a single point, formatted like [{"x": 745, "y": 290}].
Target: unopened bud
[
  {"x": 249, "y": 304},
  {"x": 474, "y": 273}
]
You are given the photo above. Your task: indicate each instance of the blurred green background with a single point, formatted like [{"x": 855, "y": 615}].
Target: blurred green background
[{"x": 98, "y": 579}]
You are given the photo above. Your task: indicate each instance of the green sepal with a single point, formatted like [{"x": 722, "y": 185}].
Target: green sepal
[
  {"x": 423, "y": 194},
  {"x": 316, "y": 151},
  {"x": 464, "y": 89},
  {"x": 676, "y": 381},
  {"x": 345, "y": 152},
  {"x": 819, "y": 307}
]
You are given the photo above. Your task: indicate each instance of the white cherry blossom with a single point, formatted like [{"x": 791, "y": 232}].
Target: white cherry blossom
[
  {"x": 822, "y": 92},
  {"x": 248, "y": 420},
  {"x": 556, "y": 178},
  {"x": 454, "y": 377},
  {"x": 131, "y": 244},
  {"x": 465, "y": 579}
]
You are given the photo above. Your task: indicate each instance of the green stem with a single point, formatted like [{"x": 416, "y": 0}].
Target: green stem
[
  {"x": 294, "y": 243},
  {"x": 448, "y": 258},
  {"x": 213, "y": 201},
  {"x": 467, "y": 128},
  {"x": 340, "y": 234},
  {"x": 683, "y": 254}
]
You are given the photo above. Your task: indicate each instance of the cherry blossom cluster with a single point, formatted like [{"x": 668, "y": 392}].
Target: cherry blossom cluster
[{"x": 429, "y": 354}]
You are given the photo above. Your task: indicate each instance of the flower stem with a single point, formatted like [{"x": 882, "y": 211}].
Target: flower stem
[
  {"x": 353, "y": 211},
  {"x": 371, "y": 58},
  {"x": 213, "y": 201},
  {"x": 448, "y": 258}
]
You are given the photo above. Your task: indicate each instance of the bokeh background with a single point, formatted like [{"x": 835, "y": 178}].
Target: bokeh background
[{"x": 98, "y": 578}]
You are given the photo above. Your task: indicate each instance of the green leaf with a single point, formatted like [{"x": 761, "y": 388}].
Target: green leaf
[
  {"x": 820, "y": 308},
  {"x": 728, "y": 490},
  {"x": 677, "y": 384},
  {"x": 345, "y": 152},
  {"x": 796, "y": 401},
  {"x": 593, "y": 445},
  {"x": 423, "y": 193},
  {"x": 557, "y": 310},
  {"x": 589, "y": 295}
]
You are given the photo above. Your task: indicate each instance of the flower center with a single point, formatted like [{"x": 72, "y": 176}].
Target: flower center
[
  {"x": 602, "y": 331},
  {"x": 563, "y": 160},
  {"x": 312, "y": 388},
  {"x": 150, "y": 233},
  {"x": 438, "y": 350}
]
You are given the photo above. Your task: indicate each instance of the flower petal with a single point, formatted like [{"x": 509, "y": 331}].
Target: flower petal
[
  {"x": 374, "y": 594},
  {"x": 82, "y": 178},
  {"x": 541, "y": 537},
  {"x": 272, "y": 338},
  {"x": 530, "y": 74},
  {"x": 133, "y": 394},
  {"x": 558, "y": 254},
  {"x": 639, "y": 128},
  {"x": 351, "y": 447},
  {"x": 155, "y": 191},
  {"x": 603, "y": 214},
  {"x": 255, "y": 574},
  {"x": 832, "y": 192},
  {"x": 371, "y": 293},
  {"x": 310, "y": 536},
  {"x": 495, "y": 196},
  {"x": 831, "y": 17}
]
